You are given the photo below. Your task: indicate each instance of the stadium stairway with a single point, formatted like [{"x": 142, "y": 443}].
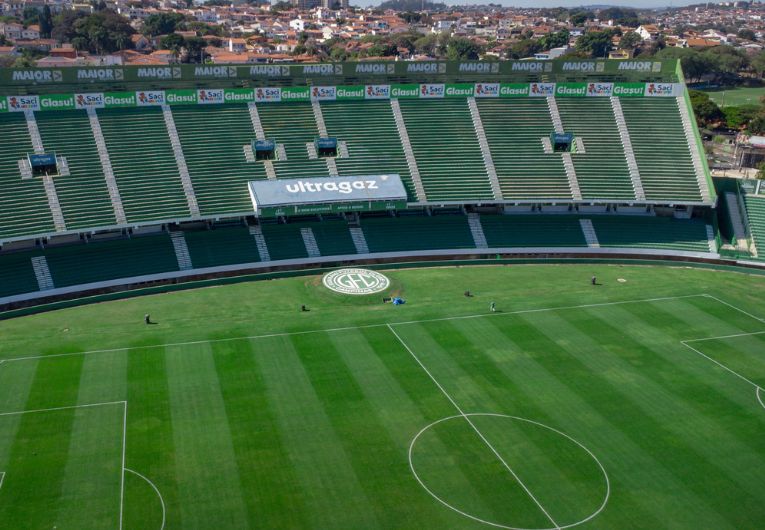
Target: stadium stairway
[
  {"x": 106, "y": 167},
  {"x": 663, "y": 157},
  {"x": 755, "y": 211},
  {"x": 180, "y": 160},
  {"x": 144, "y": 164},
  {"x": 374, "y": 148},
  {"x": 294, "y": 126},
  {"x": 406, "y": 144},
  {"x": 446, "y": 148},
  {"x": 514, "y": 130},
  {"x": 83, "y": 194},
  {"x": 213, "y": 139},
  {"x": 601, "y": 171},
  {"x": 24, "y": 209}
]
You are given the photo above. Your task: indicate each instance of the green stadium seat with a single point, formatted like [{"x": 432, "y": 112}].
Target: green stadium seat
[
  {"x": 221, "y": 246},
  {"x": 446, "y": 148},
  {"x": 755, "y": 212},
  {"x": 514, "y": 129},
  {"x": 508, "y": 231},
  {"x": 144, "y": 165},
  {"x": 415, "y": 232},
  {"x": 601, "y": 170},
  {"x": 661, "y": 150},
  {"x": 294, "y": 125},
  {"x": 374, "y": 145},
  {"x": 212, "y": 137},
  {"x": 651, "y": 232},
  {"x": 16, "y": 273},
  {"x": 24, "y": 209},
  {"x": 83, "y": 195}
]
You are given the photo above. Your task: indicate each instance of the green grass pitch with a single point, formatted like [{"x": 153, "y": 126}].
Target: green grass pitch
[{"x": 631, "y": 404}]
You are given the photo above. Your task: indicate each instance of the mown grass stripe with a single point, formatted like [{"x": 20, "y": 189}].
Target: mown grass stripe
[
  {"x": 209, "y": 489},
  {"x": 664, "y": 413},
  {"x": 32, "y": 486},
  {"x": 330, "y": 488},
  {"x": 93, "y": 471},
  {"x": 274, "y": 499},
  {"x": 363, "y": 352},
  {"x": 151, "y": 449}
]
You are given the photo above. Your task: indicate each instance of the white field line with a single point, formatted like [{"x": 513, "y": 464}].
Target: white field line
[
  {"x": 2, "y": 478},
  {"x": 759, "y": 397},
  {"x": 90, "y": 405},
  {"x": 718, "y": 363},
  {"x": 364, "y": 326},
  {"x": 736, "y": 308},
  {"x": 727, "y": 336},
  {"x": 477, "y": 431},
  {"x": 161, "y": 500},
  {"x": 122, "y": 478}
]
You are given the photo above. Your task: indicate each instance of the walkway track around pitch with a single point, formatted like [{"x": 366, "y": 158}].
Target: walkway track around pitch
[{"x": 758, "y": 390}]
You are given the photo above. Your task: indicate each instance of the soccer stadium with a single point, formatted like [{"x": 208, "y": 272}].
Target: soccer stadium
[{"x": 375, "y": 295}]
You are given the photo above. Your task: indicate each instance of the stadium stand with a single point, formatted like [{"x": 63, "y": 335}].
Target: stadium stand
[
  {"x": 143, "y": 163},
  {"x": 515, "y": 129},
  {"x": 755, "y": 212},
  {"x": 24, "y": 207},
  {"x": 16, "y": 273},
  {"x": 417, "y": 232},
  {"x": 284, "y": 241},
  {"x": 507, "y": 231},
  {"x": 369, "y": 130},
  {"x": 651, "y": 232},
  {"x": 294, "y": 126},
  {"x": 213, "y": 138},
  {"x": 661, "y": 150},
  {"x": 226, "y": 245},
  {"x": 446, "y": 148},
  {"x": 601, "y": 170},
  {"x": 107, "y": 260},
  {"x": 332, "y": 237},
  {"x": 83, "y": 194}
]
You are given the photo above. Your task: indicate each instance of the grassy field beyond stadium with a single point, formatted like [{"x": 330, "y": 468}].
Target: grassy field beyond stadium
[{"x": 632, "y": 404}]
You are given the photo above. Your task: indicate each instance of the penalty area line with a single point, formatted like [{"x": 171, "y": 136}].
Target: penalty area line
[
  {"x": 721, "y": 365},
  {"x": 477, "y": 431},
  {"x": 2, "y": 478}
]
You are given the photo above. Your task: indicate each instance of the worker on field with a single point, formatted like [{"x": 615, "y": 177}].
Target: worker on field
[
  {"x": 493, "y": 307},
  {"x": 594, "y": 280}
]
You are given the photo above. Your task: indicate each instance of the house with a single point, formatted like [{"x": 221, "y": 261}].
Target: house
[
  {"x": 237, "y": 45},
  {"x": 648, "y": 32},
  {"x": 9, "y": 51},
  {"x": 31, "y": 32},
  {"x": 140, "y": 42},
  {"x": 11, "y": 31}
]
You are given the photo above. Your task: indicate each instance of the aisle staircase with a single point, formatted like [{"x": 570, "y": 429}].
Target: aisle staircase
[
  {"x": 737, "y": 221},
  {"x": 331, "y": 165},
  {"x": 476, "y": 229},
  {"x": 260, "y": 241},
  {"x": 181, "y": 251},
  {"x": 261, "y": 135},
  {"x": 180, "y": 159},
  {"x": 589, "y": 233},
  {"x": 629, "y": 152},
  {"x": 485, "y": 151},
  {"x": 42, "y": 273},
  {"x": 310, "y": 242},
  {"x": 106, "y": 165},
  {"x": 411, "y": 162},
  {"x": 690, "y": 137},
  {"x": 359, "y": 240},
  {"x": 568, "y": 164},
  {"x": 48, "y": 184}
]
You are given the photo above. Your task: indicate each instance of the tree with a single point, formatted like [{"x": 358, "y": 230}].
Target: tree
[
  {"x": 705, "y": 109},
  {"x": 580, "y": 16},
  {"x": 758, "y": 63},
  {"x": 173, "y": 42},
  {"x": 195, "y": 47},
  {"x": 739, "y": 117},
  {"x": 630, "y": 41},
  {"x": 462, "y": 49},
  {"x": 523, "y": 48},
  {"x": 30, "y": 15},
  {"x": 162, "y": 24},
  {"x": 746, "y": 34},
  {"x": 621, "y": 16},
  {"x": 555, "y": 40},
  {"x": 594, "y": 43},
  {"x": 102, "y": 32},
  {"x": 46, "y": 22}
]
